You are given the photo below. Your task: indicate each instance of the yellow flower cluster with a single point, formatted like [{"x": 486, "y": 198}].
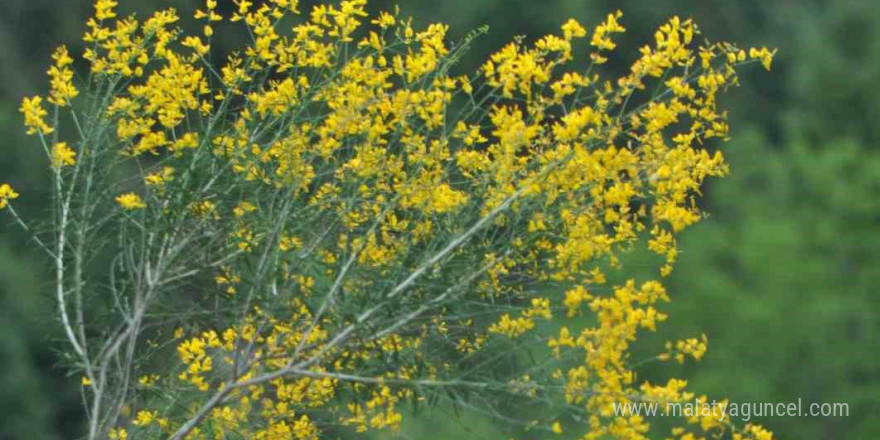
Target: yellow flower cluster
[
  {"x": 693, "y": 347},
  {"x": 6, "y": 194},
  {"x": 601, "y": 39},
  {"x": 62, "y": 155},
  {"x": 35, "y": 116},
  {"x": 360, "y": 207},
  {"x": 514, "y": 327},
  {"x": 377, "y": 413},
  {"x": 62, "y": 88},
  {"x": 130, "y": 202}
]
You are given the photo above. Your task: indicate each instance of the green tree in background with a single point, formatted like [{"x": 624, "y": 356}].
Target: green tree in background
[{"x": 789, "y": 265}]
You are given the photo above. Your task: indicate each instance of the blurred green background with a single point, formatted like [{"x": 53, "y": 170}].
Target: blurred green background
[{"x": 781, "y": 277}]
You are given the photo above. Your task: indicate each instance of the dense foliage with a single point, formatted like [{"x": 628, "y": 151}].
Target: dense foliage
[
  {"x": 760, "y": 256},
  {"x": 375, "y": 227}
]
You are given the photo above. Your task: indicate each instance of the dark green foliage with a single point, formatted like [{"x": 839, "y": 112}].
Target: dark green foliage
[{"x": 783, "y": 279}]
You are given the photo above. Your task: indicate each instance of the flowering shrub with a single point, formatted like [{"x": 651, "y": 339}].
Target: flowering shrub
[{"x": 329, "y": 224}]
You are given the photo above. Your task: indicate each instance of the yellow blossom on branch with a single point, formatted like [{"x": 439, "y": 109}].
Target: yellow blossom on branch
[
  {"x": 130, "y": 202},
  {"x": 764, "y": 55},
  {"x": 61, "y": 79},
  {"x": 6, "y": 194},
  {"x": 62, "y": 155},
  {"x": 34, "y": 116}
]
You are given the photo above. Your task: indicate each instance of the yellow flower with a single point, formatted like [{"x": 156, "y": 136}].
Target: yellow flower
[
  {"x": 86, "y": 382},
  {"x": 148, "y": 381},
  {"x": 385, "y": 20},
  {"x": 144, "y": 418},
  {"x": 61, "y": 78},
  {"x": 573, "y": 29},
  {"x": 601, "y": 39},
  {"x": 512, "y": 327},
  {"x": 6, "y": 194},
  {"x": 158, "y": 179},
  {"x": 445, "y": 199},
  {"x": 104, "y": 9},
  {"x": 763, "y": 54},
  {"x": 118, "y": 434},
  {"x": 34, "y": 116},
  {"x": 130, "y": 201},
  {"x": 243, "y": 208},
  {"x": 62, "y": 156}
]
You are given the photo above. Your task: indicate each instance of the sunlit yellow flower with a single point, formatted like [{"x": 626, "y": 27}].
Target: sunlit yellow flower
[
  {"x": 34, "y": 116},
  {"x": 148, "y": 380},
  {"x": 763, "y": 54},
  {"x": 385, "y": 20},
  {"x": 6, "y": 194},
  {"x": 144, "y": 418},
  {"x": 130, "y": 201},
  {"x": 61, "y": 79},
  {"x": 104, "y": 9},
  {"x": 572, "y": 29},
  {"x": 62, "y": 155}
]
